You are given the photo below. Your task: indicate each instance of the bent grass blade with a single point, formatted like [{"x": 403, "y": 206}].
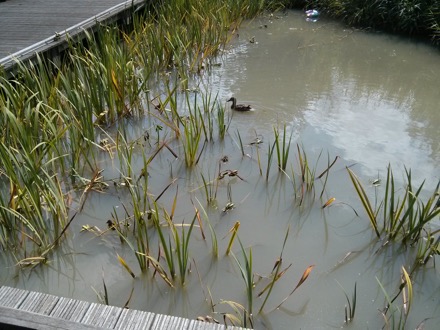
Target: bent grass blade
[
  {"x": 365, "y": 201},
  {"x": 301, "y": 281}
]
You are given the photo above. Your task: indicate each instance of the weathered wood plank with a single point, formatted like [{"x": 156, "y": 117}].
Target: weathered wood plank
[
  {"x": 101, "y": 315},
  {"x": 134, "y": 320},
  {"x": 197, "y": 325},
  {"x": 11, "y": 297},
  {"x": 16, "y": 14},
  {"x": 165, "y": 322},
  {"x": 67, "y": 308},
  {"x": 40, "y": 303},
  {"x": 30, "y": 27},
  {"x": 27, "y": 320},
  {"x": 35, "y": 310}
]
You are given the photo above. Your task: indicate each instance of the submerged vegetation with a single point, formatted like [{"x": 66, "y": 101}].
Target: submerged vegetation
[{"x": 63, "y": 126}]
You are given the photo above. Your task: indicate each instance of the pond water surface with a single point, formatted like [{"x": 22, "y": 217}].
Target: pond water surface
[{"x": 369, "y": 98}]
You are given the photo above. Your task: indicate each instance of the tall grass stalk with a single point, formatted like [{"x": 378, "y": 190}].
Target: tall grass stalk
[
  {"x": 210, "y": 188},
  {"x": 248, "y": 278},
  {"x": 365, "y": 201},
  {"x": 269, "y": 159},
  {"x": 33, "y": 209},
  {"x": 276, "y": 274},
  {"x": 240, "y": 144},
  {"x": 192, "y": 135},
  {"x": 233, "y": 231},
  {"x": 181, "y": 247},
  {"x": 214, "y": 242},
  {"x": 350, "y": 308},
  {"x": 282, "y": 148},
  {"x": 406, "y": 289}
]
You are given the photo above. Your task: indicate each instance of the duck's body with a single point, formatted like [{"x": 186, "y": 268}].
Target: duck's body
[{"x": 238, "y": 107}]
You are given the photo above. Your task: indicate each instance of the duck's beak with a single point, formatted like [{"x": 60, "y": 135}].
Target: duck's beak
[{"x": 229, "y": 100}]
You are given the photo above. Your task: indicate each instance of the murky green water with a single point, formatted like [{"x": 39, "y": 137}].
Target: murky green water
[{"x": 369, "y": 98}]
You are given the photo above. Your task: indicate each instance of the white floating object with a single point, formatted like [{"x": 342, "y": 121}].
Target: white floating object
[{"x": 312, "y": 13}]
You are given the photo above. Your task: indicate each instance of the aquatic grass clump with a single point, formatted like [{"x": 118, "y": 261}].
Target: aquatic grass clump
[
  {"x": 186, "y": 34},
  {"x": 350, "y": 308},
  {"x": 104, "y": 76},
  {"x": 282, "y": 148},
  {"x": 253, "y": 281},
  {"x": 398, "y": 316},
  {"x": 33, "y": 208},
  {"x": 194, "y": 127},
  {"x": 404, "y": 217},
  {"x": 176, "y": 248}
]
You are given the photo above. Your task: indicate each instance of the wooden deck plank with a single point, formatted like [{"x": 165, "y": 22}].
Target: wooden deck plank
[
  {"x": 112, "y": 317},
  {"x": 11, "y": 297},
  {"x": 21, "y": 18},
  {"x": 163, "y": 322},
  {"x": 30, "y": 27},
  {"x": 11, "y": 318},
  {"x": 101, "y": 315},
  {"x": 39, "y": 303},
  {"x": 73, "y": 310},
  {"x": 198, "y": 325},
  {"x": 134, "y": 320},
  {"x": 36, "y": 310}
]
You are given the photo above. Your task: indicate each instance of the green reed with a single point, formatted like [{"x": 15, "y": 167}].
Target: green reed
[
  {"x": 193, "y": 128},
  {"x": 405, "y": 218},
  {"x": 143, "y": 216},
  {"x": 406, "y": 290},
  {"x": 276, "y": 274},
  {"x": 181, "y": 248},
  {"x": 246, "y": 272},
  {"x": 427, "y": 248},
  {"x": 350, "y": 308},
  {"x": 240, "y": 143},
  {"x": 270, "y": 153},
  {"x": 210, "y": 188},
  {"x": 214, "y": 242},
  {"x": 34, "y": 213},
  {"x": 282, "y": 148},
  {"x": 223, "y": 121},
  {"x": 176, "y": 249}
]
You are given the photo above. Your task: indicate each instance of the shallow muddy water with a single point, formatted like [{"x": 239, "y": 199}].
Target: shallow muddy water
[{"x": 369, "y": 98}]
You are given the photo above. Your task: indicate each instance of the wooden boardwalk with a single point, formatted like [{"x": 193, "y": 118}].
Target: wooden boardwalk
[
  {"x": 30, "y": 27},
  {"x": 21, "y": 309}
]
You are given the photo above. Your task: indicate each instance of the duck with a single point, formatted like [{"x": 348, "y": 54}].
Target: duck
[{"x": 238, "y": 107}]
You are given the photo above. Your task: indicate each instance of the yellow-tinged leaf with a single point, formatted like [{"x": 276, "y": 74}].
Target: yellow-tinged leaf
[
  {"x": 305, "y": 276},
  {"x": 199, "y": 219},
  {"x": 330, "y": 201},
  {"x": 123, "y": 263},
  {"x": 408, "y": 296},
  {"x": 276, "y": 278},
  {"x": 115, "y": 83},
  {"x": 301, "y": 281},
  {"x": 31, "y": 261},
  {"x": 234, "y": 231}
]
